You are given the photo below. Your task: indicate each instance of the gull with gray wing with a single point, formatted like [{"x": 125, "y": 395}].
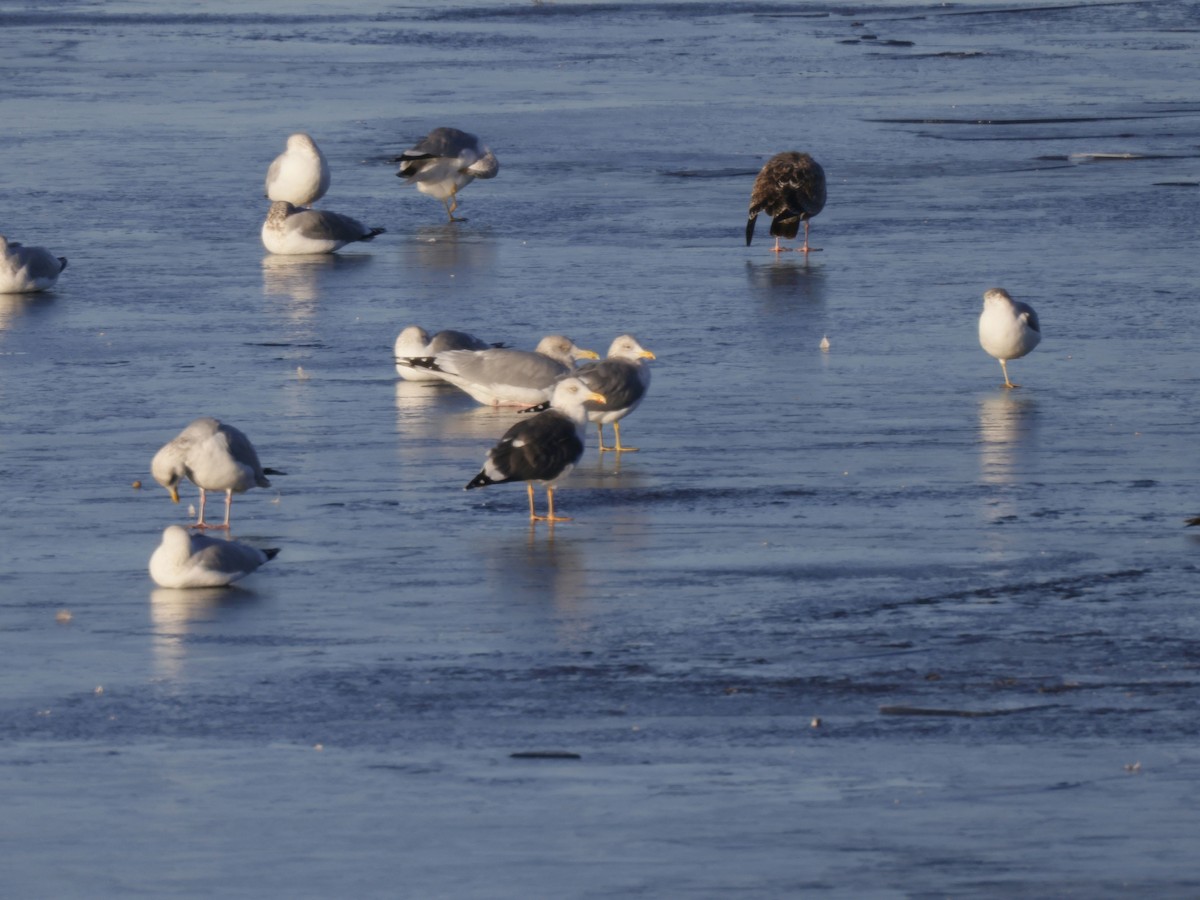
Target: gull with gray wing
[
  {"x": 502, "y": 376},
  {"x": 293, "y": 231},
  {"x": 185, "y": 560},
  {"x": 444, "y": 162},
  {"x": 213, "y": 456},
  {"x": 25, "y": 270},
  {"x": 414, "y": 341}
]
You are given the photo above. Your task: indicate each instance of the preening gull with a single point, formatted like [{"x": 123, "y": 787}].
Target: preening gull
[
  {"x": 544, "y": 448},
  {"x": 213, "y": 456},
  {"x": 623, "y": 378},
  {"x": 504, "y": 377},
  {"x": 291, "y": 231},
  {"x": 24, "y": 270},
  {"x": 1008, "y": 329},
  {"x": 300, "y": 174},
  {"x": 791, "y": 189},
  {"x": 414, "y": 341},
  {"x": 444, "y": 162},
  {"x": 185, "y": 560}
]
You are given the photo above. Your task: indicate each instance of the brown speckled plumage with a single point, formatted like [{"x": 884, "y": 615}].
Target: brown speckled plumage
[{"x": 791, "y": 189}]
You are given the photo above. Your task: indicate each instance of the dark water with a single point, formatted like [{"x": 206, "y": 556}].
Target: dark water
[{"x": 985, "y": 598}]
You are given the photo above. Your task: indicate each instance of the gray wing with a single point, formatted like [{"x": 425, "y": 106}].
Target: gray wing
[
  {"x": 1027, "y": 309},
  {"x": 243, "y": 451},
  {"x": 39, "y": 262},
  {"x": 320, "y": 224},
  {"x": 617, "y": 379},
  {"x": 226, "y": 556},
  {"x": 519, "y": 368},
  {"x": 442, "y": 142},
  {"x": 455, "y": 340}
]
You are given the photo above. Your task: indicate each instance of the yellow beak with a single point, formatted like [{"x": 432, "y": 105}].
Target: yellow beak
[
  {"x": 598, "y": 398},
  {"x": 646, "y": 354},
  {"x": 587, "y": 354},
  {"x": 174, "y": 493}
]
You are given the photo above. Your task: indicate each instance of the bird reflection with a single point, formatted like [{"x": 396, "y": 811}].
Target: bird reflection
[
  {"x": 174, "y": 613},
  {"x": 788, "y": 283},
  {"x": 1007, "y": 430},
  {"x": 298, "y": 279},
  {"x": 545, "y": 564},
  {"x": 426, "y": 409},
  {"x": 12, "y": 306},
  {"x": 445, "y": 247}
]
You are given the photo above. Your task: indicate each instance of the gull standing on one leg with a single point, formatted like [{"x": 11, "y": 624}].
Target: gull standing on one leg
[
  {"x": 444, "y": 162},
  {"x": 1008, "y": 329}
]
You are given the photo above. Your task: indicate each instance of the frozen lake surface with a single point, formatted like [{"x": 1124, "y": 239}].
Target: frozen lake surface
[{"x": 853, "y": 623}]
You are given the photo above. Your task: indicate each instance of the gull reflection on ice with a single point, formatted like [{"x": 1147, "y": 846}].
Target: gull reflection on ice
[
  {"x": 446, "y": 247},
  {"x": 174, "y": 613},
  {"x": 299, "y": 280},
  {"x": 1007, "y": 430}
]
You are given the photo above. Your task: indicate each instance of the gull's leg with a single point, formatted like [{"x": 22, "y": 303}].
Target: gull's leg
[
  {"x": 200, "y": 518},
  {"x": 551, "y": 517},
  {"x": 1007, "y": 383},
  {"x": 806, "y": 248},
  {"x": 777, "y": 248},
  {"x": 619, "y": 448},
  {"x": 533, "y": 517},
  {"x": 228, "y": 504},
  {"x": 452, "y": 206},
  {"x": 600, "y": 431}
]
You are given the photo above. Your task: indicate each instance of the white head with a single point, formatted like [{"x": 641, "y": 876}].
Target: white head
[
  {"x": 177, "y": 542},
  {"x": 570, "y": 395},
  {"x": 996, "y": 297},
  {"x": 168, "y": 468},
  {"x": 563, "y": 349},
  {"x": 302, "y": 142},
  {"x": 627, "y": 347},
  {"x": 411, "y": 341}
]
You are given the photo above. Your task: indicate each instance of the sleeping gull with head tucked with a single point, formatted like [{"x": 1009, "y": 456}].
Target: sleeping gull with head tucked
[
  {"x": 24, "y": 270},
  {"x": 293, "y": 231},
  {"x": 186, "y": 560},
  {"x": 1008, "y": 329},
  {"x": 504, "y": 377},
  {"x": 544, "y": 448},
  {"x": 414, "y": 341},
  {"x": 444, "y": 162},
  {"x": 791, "y": 189},
  {"x": 213, "y": 456},
  {"x": 300, "y": 174}
]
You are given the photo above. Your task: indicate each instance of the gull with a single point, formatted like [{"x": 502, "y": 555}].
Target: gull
[
  {"x": 186, "y": 560},
  {"x": 213, "y": 456},
  {"x": 24, "y": 270},
  {"x": 292, "y": 231},
  {"x": 501, "y": 376},
  {"x": 414, "y": 341},
  {"x": 791, "y": 189},
  {"x": 1008, "y": 329},
  {"x": 623, "y": 378},
  {"x": 544, "y": 448},
  {"x": 300, "y": 174},
  {"x": 444, "y": 162}
]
